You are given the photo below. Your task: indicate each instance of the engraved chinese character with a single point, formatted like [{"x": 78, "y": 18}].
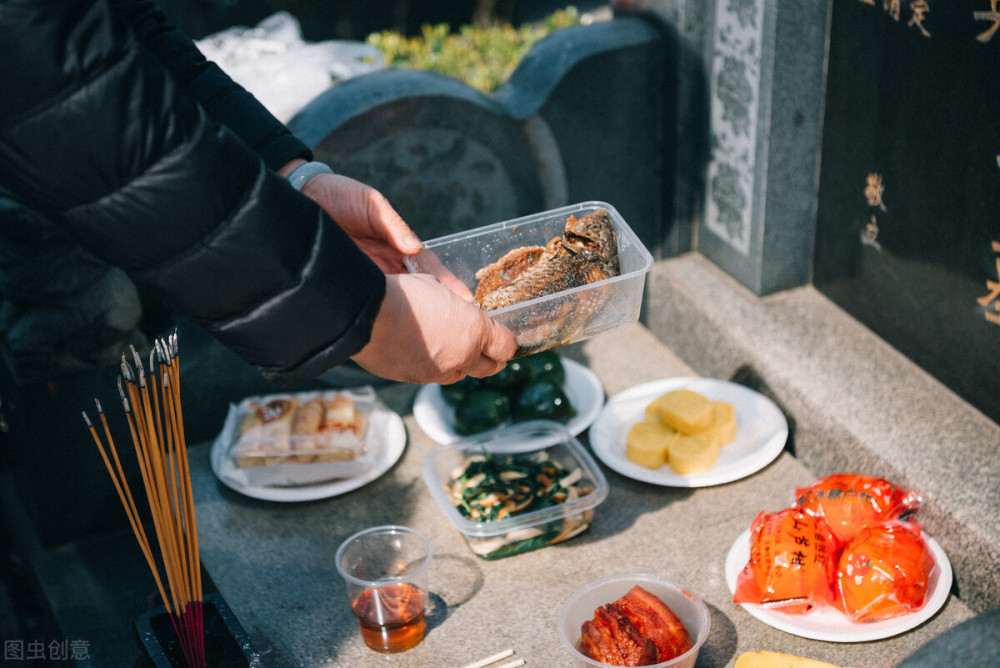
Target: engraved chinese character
[
  {"x": 994, "y": 291},
  {"x": 801, "y": 540},
  {"x": 874, "y": 189},
  {"x": 891, "y": 8},
  {"x": 992, "y": 15},
  {"x": 919, "y": 9},
  {"x": 798, "y": 559},
  {"x": 869, "y": 235}
]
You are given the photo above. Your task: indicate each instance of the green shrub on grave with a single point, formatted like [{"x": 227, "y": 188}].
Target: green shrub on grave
[{"x": 484, "y": 57}]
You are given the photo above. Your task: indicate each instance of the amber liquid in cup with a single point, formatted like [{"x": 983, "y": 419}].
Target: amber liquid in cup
[{"x": 392, "y": 617}]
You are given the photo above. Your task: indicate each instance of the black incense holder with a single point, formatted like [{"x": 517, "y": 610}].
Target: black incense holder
[{"x": 227, "y": 644}]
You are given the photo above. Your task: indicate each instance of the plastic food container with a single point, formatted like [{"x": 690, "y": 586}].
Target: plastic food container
[
  {"x": 518, "y": 447},
  {"x": 541, "y": 323},
  {"x": 580, "y": 606},
  {"x": 299, "y": 438}
]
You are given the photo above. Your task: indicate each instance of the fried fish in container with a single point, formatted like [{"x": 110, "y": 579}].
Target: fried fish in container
[
  {"x": 585, "y": 253},
  {"x": 525, "y": 269}
]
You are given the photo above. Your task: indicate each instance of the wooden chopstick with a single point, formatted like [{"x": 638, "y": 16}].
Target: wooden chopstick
[{"x": 481, "y": 663}]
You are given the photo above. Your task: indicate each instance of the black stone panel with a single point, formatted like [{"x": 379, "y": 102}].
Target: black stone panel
[{"x": 908, "y": 228}]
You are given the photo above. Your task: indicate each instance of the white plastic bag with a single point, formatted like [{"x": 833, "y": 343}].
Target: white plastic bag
[{"x": 280, "y": 69}]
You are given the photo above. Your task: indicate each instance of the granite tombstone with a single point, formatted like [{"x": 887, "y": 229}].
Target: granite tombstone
[{"x": 908, "y": 228}]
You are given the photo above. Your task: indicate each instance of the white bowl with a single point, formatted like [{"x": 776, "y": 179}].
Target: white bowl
[{"x": 580, "y": 606}]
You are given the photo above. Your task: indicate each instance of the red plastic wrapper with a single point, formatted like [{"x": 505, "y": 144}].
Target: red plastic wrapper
[
  {"x": 793, "y": 561},
  {"x": 850, "y": 502},
  {"x": 884, "y": 572}
]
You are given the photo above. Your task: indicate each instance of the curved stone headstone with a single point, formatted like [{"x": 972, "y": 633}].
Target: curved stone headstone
[{"x": 587, "y": 115}]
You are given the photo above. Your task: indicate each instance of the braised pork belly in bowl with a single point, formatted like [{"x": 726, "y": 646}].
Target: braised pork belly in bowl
[{"x": 633, "y": 619}]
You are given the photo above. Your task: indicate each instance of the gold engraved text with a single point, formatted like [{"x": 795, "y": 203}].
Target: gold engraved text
[{"x": 993, "y": 298}]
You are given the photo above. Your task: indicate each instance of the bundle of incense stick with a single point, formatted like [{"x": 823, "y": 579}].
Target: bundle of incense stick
[{"x": 156, "y": 423}]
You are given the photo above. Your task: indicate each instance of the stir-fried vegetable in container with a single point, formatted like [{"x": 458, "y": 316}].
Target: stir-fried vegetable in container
[
  {"x": 527, "y": 486},
  {"x": 487, "y": 488}
]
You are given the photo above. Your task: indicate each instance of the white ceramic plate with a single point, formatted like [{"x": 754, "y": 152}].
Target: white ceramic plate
[
  {"x": 829, "y": 624},
  {"x": 386, "y": 426},
  {"x": 583, "y": 389},
  {"x": 760, "y": 436}
]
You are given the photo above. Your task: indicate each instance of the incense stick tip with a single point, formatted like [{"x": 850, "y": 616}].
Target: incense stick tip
[
  {"x": 138, "y": 360},
  {"x": 126, "y": 370}
]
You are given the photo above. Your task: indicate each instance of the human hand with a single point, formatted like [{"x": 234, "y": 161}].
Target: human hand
[
  {"x": 367, "y": 217},
  {"x": 425, "y": 333},
  {"x": 371, "y": 222}
]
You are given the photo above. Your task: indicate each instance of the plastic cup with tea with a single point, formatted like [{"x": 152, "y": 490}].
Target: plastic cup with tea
[{"x": 385, "y": 569}]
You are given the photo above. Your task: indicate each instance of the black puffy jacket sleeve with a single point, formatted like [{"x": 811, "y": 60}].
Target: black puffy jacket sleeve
[
  {"x": 96, "y": 133},
  {"x": 224, "y": 100}
]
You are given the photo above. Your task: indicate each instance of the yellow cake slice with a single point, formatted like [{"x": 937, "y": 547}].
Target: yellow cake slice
[
  {"x": 647, "y": 443},
  {"x": 692, "y": 453},
  {"x": 723, "y": 428},
  {"x": 683, "y": 410}
]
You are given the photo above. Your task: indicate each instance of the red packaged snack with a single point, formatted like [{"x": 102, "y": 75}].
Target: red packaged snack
[
  {"x": 850, "y": 502},
  {"x": 793, "y": 561},
  {"x": 884, "y": 572}
]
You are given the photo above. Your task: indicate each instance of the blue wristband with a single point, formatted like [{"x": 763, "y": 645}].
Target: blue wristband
[{"x": 303, "y": 174}]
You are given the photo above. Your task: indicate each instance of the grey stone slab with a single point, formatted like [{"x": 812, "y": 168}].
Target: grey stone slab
[
  {"x": 975, "y": 643},
  {"x": 766, "y": 64},
  {"x": 272, "y": 561}
]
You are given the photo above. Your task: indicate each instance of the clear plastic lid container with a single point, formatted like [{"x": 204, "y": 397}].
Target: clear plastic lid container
[
  {"x": 298, "y": 438},
  {"x": 537, "y": 458},
  {"x": 554, "y": 319}
]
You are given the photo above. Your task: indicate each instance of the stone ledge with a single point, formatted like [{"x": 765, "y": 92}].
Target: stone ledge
[{"x": 854, "y": 403}]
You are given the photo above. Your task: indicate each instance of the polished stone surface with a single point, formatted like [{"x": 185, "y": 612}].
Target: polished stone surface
[
  {"x": 764, "y": 61},
  {"x": 906, "y": 235},
  {"x": 272, "y": 561}
]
